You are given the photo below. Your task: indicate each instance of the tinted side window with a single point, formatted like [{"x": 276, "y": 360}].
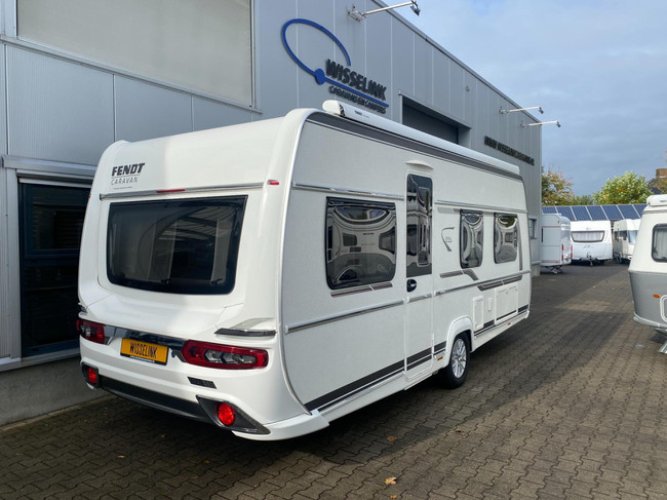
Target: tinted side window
[
  {"x": 505, "y": 238},
  {"x": 659, "y": 245},
  {"x": 360, "y": 242},
  {"x": 418, "y": 220},
  {"x": 472, "y": 232}
]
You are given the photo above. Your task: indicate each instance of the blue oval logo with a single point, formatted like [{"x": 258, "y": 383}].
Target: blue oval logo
[{"x": 344, "y": 81}]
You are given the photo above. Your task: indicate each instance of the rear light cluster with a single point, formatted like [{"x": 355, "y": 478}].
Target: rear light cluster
[
  {"x": 91, "y": 375},
  {"x": 90, "y": 330},
  {"x": 223, "y": 356}
]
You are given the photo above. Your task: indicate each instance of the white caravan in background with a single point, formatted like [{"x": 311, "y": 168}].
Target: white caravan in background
[
  {"x": 273, "y": 276},
  {"x": 648, "y": 267},
  {"x": 624, "y": 236},
  {"x": 555, "y": 243},
  {"x": 591, "y": 241}
]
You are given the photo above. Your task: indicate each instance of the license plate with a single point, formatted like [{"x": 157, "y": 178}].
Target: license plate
[{"x": 144, "y": 350}]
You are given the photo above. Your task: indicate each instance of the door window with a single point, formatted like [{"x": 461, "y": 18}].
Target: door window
[{"x": 418, "y": 217}]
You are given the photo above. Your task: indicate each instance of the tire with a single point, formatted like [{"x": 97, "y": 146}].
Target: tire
[{"x": 456, "y": 371}]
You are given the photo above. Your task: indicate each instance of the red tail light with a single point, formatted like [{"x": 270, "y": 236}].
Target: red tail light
[
  {"x": 91, "y": 331},
  {"x": 91, "y": 375},
  {"x": 226, "y": 414},
  {"x": 223, "y": 356}
]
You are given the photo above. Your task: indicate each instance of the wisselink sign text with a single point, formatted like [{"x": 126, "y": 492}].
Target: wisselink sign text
[{"x": 343, "y": 81}]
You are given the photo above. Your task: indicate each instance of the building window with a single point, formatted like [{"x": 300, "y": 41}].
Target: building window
[
  {"x": 203, "y": 46},
  {"x": 418, "y": 222},
  {"x": 360, "y": 242},
  {"x": 659, "y": 246},
  {"x": 472, "y": 237},
  {"x": 51, "y": 222},
  {"x": 506, "y": 238},
  {"x": 532, "y": 228}
]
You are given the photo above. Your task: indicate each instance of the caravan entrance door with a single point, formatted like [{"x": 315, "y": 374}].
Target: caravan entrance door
[{"x": 419, "y": 279}]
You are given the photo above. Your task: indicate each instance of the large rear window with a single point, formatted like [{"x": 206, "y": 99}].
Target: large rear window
[
  {"x": 587, "y": 236},
  {"x": 175, "y": 246}
]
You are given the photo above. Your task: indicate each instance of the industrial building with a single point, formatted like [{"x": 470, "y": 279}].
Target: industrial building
[{"x": 78, "y": 75}]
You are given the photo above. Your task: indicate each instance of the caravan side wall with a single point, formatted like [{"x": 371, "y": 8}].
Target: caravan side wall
[
  {"x": 648, "y": 267},
  {"x": 340, "y": 340}
]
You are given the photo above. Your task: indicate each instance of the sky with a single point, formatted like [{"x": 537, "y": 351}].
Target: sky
[{"x": 597, "y": 66}]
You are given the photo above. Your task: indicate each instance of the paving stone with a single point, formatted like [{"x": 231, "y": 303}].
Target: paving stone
[{"x": 563, "y": 405}]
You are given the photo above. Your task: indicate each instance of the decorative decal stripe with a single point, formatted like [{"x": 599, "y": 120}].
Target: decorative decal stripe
[
  {"x": 311, "y": 324},
  {"x": 438, "y": 348},
  {"x": 463, "y": 272},
  {"x": 419, "y": 358},
  {"x": 355, "y": 387},
  {"x": 348, "y": 390}
]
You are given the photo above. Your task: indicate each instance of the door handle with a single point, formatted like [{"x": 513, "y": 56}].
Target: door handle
[{"x": 412, "y": 284}]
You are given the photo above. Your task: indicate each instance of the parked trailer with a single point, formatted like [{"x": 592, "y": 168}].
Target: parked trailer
[
  {"x": 273, "y": 276},
  {"x": 648, "y": 267},
  {"x": 591, "y": 241},
  {"x": 555, "y": 243},
  {"x": 624, "y": 237}
]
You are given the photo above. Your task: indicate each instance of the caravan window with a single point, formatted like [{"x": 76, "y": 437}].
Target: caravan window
[
  {"x": 175, "y": 246},
  {"x": 659, "y": 246},
  {"x": 505, "y": 238},
  {"x": 587, "y": 236},
  {"x": 360, "y": 242},
  {"x": 418, "y": 221},
  {"x": 472, "y": 236}
]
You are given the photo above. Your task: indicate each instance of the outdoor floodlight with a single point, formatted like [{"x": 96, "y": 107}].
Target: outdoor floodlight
[
  {"x": 539, "y": 124},
  {"x": 357, "y": 15},
  {"x": 505, "y": 111}
]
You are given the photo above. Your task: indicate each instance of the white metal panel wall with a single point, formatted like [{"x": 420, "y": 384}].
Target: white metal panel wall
[
  {"x": 212, "y": 114},
  {"x": 57, "y": 110},
  {"x": 145, "y": 111}
]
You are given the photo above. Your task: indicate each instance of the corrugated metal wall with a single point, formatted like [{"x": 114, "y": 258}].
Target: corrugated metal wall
[{"x": 65, "y": 109}]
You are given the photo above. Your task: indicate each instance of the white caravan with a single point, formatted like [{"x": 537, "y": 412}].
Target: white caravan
[
  {"x": 624, "y": 236},
  {"x": 648, "y": 267},
  {"x": 556, "y": 242},
  {"x": 591, "y": 241},
  {"x": 272, "y": 276}
]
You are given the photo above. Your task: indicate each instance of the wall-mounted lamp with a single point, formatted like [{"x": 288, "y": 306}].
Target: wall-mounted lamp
[
  {"x": 357, "y": 15},
  {"x": 539, "y": 124},
  {"x": 505, "y": 111}
]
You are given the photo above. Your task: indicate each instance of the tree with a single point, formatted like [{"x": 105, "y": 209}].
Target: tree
[
  {"x": 658, "y": 185},
  {"x": 584, "y": 199},
  {"x": 556, "y": 189},
  {"x": 626, "y": 188}
]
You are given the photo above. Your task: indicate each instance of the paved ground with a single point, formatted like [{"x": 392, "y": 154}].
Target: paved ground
[{"x": 569, "y": 404}]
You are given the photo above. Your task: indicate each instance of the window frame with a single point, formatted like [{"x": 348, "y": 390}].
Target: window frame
[{"x": 662, "y": 228}]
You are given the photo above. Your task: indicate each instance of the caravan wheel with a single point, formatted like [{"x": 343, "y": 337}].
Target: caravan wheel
[{"x": 456, "y": 371}]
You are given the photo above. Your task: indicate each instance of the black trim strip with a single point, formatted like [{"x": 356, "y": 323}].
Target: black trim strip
[
  {"x": 506, "y": 315},
  {"x": 467, "y": 272},
  {"x": 355, "y": 387},
  {"x": 488, "y": 324},
  {"x": 438, "y": 348},
  {"x": 400, "y": 141},
  {"x": 503, "y": 281},
  {"x": 419, "y": 358},
  {"x": 154, "y": 399},
  {"x": 523, "y": 308}
]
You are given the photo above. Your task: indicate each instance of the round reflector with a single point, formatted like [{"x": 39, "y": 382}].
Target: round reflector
[{"x": 226, "y": 414}]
